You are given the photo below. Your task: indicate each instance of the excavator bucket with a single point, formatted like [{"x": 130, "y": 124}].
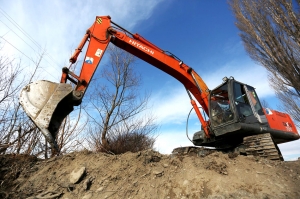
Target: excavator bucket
[{"x": 47, "y": 104}]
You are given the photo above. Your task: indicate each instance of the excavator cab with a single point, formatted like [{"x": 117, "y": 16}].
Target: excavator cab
[
  {"x": 233, "y": 102},
  {"x": 235, "y": 111}
]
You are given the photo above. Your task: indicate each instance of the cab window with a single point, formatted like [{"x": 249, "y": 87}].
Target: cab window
[
  {"x": 255, "y": 101},
  {"x": 241, "y": 100}
]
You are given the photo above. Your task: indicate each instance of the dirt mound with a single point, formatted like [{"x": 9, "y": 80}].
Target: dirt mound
[{"x": 147, "y": 174}]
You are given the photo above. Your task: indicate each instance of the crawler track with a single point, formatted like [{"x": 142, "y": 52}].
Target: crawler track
[
  {"x": 263, "y": 146},
  {"x": 260, "y": 145}
]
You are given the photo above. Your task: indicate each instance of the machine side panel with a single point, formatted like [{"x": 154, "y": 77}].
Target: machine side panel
[{"x": 280, "y": 121}]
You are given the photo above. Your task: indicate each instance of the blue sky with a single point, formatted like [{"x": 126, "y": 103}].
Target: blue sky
[{"x": 201, "y": 33}]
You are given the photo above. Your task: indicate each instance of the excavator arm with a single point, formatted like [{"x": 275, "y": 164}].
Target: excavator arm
[{"x": 48, "y": 103}]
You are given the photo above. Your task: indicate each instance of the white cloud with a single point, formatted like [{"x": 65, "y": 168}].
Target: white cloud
[
  {"x": 58, "y": 26},
  {"x": 290, "y": 150},
  {"x": 167, "y": 141},
  {"x": 245, "y": 72},
  {"x": 171, "y": 105}
]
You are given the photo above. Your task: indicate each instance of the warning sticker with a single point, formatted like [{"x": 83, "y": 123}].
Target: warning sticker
[
  {"x": 89, "y": 60},
  {"x": 98, "y": 52},
  {"x": 99, "y": 20}
]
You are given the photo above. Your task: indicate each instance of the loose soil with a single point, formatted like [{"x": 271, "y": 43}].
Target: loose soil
[{"x": 148, "y": 174}]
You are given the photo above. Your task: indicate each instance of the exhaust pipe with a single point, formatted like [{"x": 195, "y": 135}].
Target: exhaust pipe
[{"x": 47, "y": 104}]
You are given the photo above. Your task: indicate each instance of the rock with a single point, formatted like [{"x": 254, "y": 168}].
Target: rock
[
  {"x": 47, "y": 194},
  {"x": 87, "y": 196},
  {"x": 232, "y": 155},
  {"x": 138, "y": 154},
  {"x": 185, "y": 183},
  {"x": 151, "y": 156},
  {"x": 69, "y": 186},
  {"x": 77, "y": 174},
  {"x": 135, "y": 183},
  {"x": 100, "y": 189},
  {"x": 158, "y": 173},
  {"x": 87, "y": 183}
]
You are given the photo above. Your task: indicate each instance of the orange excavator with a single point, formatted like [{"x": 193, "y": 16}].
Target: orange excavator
[{"x": 236, "y": 119}]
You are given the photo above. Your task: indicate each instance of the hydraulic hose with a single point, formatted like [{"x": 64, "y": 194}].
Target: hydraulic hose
[{"x": 187, "y": 124}]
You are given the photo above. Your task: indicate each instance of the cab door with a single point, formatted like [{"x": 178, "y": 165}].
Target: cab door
[{"x": 247, "y": 104}]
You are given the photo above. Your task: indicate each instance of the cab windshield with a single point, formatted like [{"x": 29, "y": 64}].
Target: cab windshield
[{"x": 220, "y": 106}]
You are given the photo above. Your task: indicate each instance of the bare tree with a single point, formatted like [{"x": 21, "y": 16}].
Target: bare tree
[
  {"x": 134, "y": 134},
  {"x": 270, "y": 30},
  {"x": 68, "y": 138},
  {"x": 265, "y": 104},
  {"x": 10, "y": 84},
  {"x": 17, "y": 132},
  {"x": 291, "y": 101},
  {"x": 117, "y": 103}
]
